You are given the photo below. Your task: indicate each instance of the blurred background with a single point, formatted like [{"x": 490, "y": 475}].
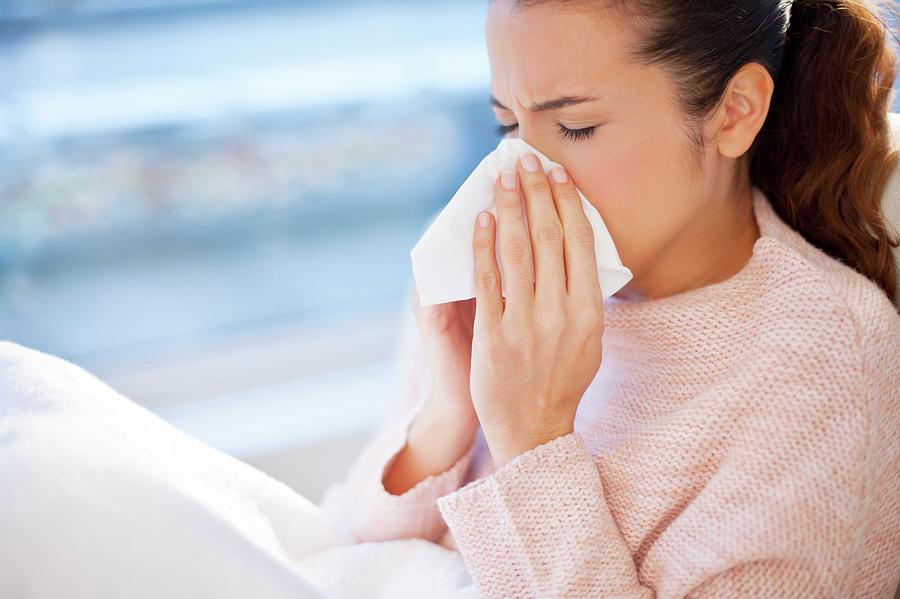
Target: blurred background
[{"x": 210, "y": 204}]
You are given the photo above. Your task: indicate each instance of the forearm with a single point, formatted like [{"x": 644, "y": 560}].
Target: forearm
[
  {"x": 539, "y": 526},
  {"x": 371, "y": 512},
  {"x": 438, "y": 437}
]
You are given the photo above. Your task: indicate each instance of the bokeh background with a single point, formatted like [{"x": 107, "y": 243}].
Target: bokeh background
[{"x": 210, "y": 204}]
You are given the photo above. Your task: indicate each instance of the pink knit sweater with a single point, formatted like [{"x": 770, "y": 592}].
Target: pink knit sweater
[{"x": 739, "y": 440}]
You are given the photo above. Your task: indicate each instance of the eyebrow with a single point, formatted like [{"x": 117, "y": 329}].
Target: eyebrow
[{"x": 552, "y": 104}]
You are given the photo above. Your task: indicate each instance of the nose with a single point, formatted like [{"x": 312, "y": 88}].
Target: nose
[
  {"x": 523, "y": 132},
  {"x": 530, "y": 138}
]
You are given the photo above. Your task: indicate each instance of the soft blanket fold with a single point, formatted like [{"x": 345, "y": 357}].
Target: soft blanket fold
[{"x": 101, "y": 498}]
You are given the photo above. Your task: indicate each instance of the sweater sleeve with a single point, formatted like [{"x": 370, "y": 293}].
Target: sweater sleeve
[
  {"x": 359, "y": 504},
  {"x": 539, "y": 526},
  {"x": 875, "y": 541}
]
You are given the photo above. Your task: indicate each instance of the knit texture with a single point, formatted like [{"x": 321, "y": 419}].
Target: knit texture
[{"x": 739, "y": 440}]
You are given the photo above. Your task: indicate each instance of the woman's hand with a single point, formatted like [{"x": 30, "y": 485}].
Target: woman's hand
[
  {"x": 534, "y": 353},
  {"x": 446, "y": 332},
  {"x": 443, "y": 429}
]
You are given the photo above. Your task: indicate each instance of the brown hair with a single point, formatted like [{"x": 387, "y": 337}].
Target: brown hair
[{"x": 824, "y": 155}]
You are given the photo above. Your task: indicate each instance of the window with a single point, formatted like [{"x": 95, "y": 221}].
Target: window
[{"x": 210, "y": 205}]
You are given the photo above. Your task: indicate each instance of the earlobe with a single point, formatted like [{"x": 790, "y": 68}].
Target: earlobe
[{"x": 745, "y": 107}]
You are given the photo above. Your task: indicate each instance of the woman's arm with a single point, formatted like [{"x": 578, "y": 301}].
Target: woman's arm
[
  {"x": 362, "y": 505},
  {"x": 806, "y": 501},
  {"x": 539, "y": 526},
  {"x": 422, "y": 453},
  {"x": 435, "y": 442}
]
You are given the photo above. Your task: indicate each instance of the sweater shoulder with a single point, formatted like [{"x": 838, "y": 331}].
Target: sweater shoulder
[
  {"x": 833, "y": 297},
  {"x": 804, "y": 272}
]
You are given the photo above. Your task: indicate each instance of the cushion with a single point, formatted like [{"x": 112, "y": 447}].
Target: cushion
[{"x": 891, "y": 201}]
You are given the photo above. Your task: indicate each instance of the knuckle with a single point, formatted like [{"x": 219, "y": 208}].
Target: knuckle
[
  {"x": 582, "y": 233},
  {"x": 509, "y": 200},
  {"x": 512, "y": 343},
  {"x": 549, "y": 233},
  {"x": 518, "y": 251},
  {"x": 589, "y": 318},
  {"x": 552, "y": 321},
  {"x": 492, "y": 348},
  {"x": 483, "y": 242},
  {"x": 567, "y": 195},
  {"x": 487, "y": 280},
  {"x": 537, "y": 183}
]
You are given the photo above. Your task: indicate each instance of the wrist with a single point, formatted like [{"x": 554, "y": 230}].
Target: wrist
[
  {"x": 504, "y": 446},
  {"x": 444, "y": 420},
  {"x": 438, "y": 437},
  {"x": 458, "y": 408}
]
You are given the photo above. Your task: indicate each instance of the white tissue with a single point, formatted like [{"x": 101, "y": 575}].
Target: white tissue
[{"x": 442, "y": 260}]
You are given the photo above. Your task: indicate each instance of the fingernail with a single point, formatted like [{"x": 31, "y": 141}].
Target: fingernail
[
  {"x": 508, "y": 179},
  {"x": 530, "y": 163},
  {"x": 559, "y": 174},
  {"x": 484, "y": 219}
]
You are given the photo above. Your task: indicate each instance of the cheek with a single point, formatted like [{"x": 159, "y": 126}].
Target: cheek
[
  {"x": 617, "y": 180},
  {"x": 628, "y": 183}
]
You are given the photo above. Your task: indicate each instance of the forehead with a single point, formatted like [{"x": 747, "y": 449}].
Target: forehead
[{"x": 541, "y": 52}]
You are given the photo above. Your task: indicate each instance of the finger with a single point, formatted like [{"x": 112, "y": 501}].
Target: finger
[
  {"x": 488, "y": 299},
  {"x": 515, "y": 243},
  {"x": 468, "y": 310},
  {"x": 578, "y": 239},
  {"x": 546, "y": 232}
]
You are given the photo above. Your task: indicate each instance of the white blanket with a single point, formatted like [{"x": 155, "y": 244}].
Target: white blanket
[{"x": 101, "y": 498}]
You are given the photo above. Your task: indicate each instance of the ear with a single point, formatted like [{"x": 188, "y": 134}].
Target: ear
[{"x": 743, "y": 109}]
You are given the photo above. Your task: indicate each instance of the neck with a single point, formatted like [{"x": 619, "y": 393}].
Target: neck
[{"x": 707, "y": 251}]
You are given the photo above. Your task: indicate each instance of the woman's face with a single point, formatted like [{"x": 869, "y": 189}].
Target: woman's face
[{"x": 636, "y": 167}]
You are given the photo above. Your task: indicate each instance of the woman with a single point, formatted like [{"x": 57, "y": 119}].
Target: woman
[{"x": 728, "y": 424}]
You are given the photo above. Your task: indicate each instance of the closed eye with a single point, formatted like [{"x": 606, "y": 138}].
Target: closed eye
[
  {"x": 504, "y": 130},
  {"x": 576, "y": 134},
  {"x": 565, "y": 132}
]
